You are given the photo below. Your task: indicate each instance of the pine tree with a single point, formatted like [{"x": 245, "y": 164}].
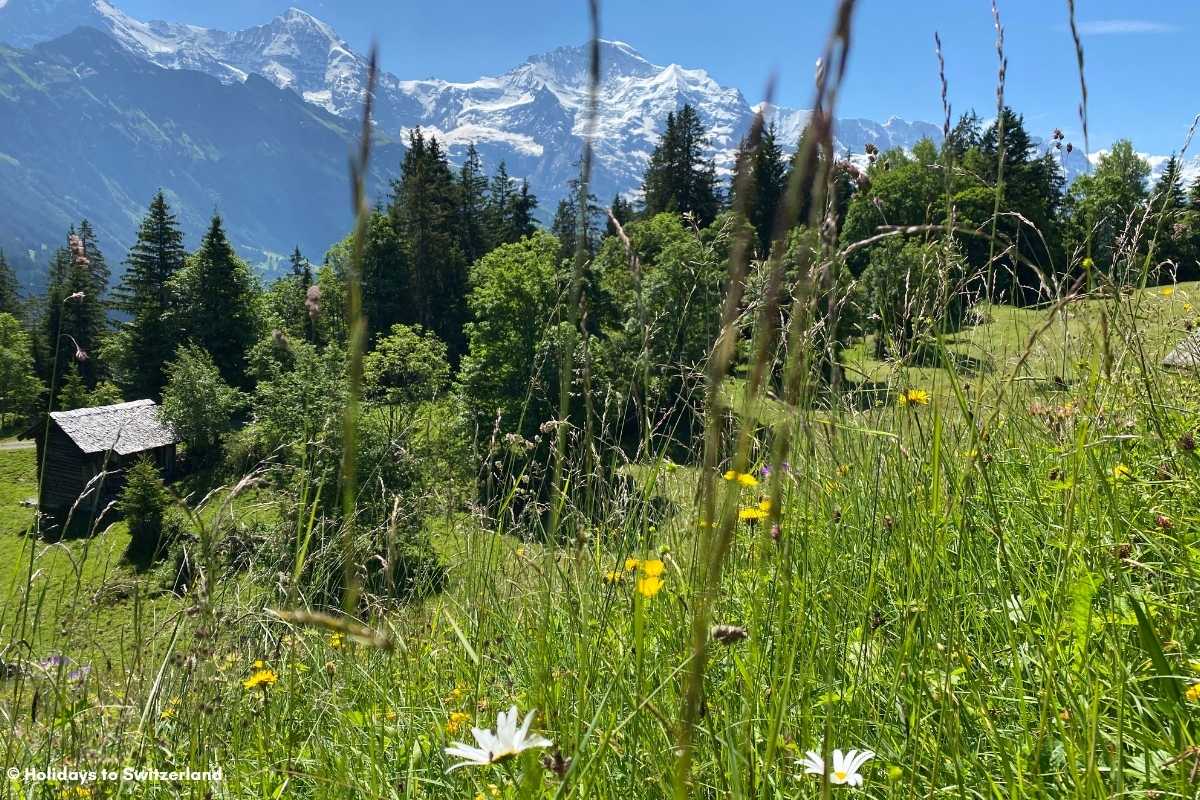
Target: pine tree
[
  {"x": 566, "y": 223},
  {"x": 1032, "y": 186},
  {"x": 472, "y": 203},
  {"x": 679, "y": 178},
  {"x": 74, "y": 322},
  {"x": 73, "y": 393},
  {"x": 766, "y": 183},
  {"x": 424, "y": 202},
  {"x": 1171, "y": 236},
  {"x": 509, "y": 211},
  {"x": 217, "y": 308},
  {"x": 145, "y": 294},
  {"x": 10, "y": 298},
  {"x": 622, "y": 210}
]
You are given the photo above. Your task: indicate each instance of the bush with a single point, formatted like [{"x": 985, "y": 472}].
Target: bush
[
  {"x": 912, "y": 289},
  {"x": 198, "y": 404}
]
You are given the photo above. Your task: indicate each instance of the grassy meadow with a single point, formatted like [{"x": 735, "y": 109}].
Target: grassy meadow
[{"x": 994, "y": 586}]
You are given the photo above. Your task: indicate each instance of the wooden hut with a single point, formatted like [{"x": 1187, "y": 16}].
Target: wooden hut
[
  {"x": 1186, "y": 354},
  {"x": 88, "y": 450}
]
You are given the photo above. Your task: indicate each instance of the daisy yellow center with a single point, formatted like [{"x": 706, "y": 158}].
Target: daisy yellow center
[{"x": 840, "y": 775}]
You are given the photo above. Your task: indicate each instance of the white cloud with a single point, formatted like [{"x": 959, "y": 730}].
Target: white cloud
[{"x": 1105, "y": 27}]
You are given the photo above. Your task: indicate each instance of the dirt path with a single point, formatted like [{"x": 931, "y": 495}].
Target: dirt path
[{"x": 16, "y": 444}]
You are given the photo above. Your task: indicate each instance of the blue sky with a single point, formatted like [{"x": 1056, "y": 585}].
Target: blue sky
[{"x": 1140, "y": 56}]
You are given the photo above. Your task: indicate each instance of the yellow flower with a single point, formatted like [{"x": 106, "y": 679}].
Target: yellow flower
[
  {"x": 262, "y": 678},
  {"x": 1121, "y": 471},
  {"x": 520, "y": 552},
  {"x": 613, "y": 576},
  {"x": 631, "y": 564},
  {"x": 752, "y": 513},
  {"x": 335, "y": 640},
  {"x": 456, "y": 694},
  {"x": 169, "y": 710},
  {"x": 456, "y": 721},
  {"x": 913, "y": 397},
  {"x": 1187, "y": 307},
  {"x": 649, "y": 585},
  {"x": 259, "y": 664},
  {"x": 1193, "y": 693},
  {"x": 651, "y": 568},
  {"x": 745, "y": 479},
  {"x": 1167, "y": 291},
  {"x": 1088, "y": 263},
  {"x": 843, "y": 470}
]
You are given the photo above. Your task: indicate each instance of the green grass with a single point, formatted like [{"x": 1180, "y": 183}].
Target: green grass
[{"x": 998, "y": 593}]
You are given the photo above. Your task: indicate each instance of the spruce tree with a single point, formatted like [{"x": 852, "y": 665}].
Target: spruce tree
[
  {"x": 566, "y": 223},
  {"x": 424, "y": 202},
  {"x": 74, "y": 322},
  {"x": 766, "y": 183},
  {"x": 472, "y": 202},
  {"x": 217, "y": 308},
  {"x": 498, "y": 209},
  {"x": 622, "y": 210},
  {"x": 10, "y": 298},
  {"x": 1171, "y": 237},
  {"x": 679, "y": 178},
  {"x": 145, "y": 295}
]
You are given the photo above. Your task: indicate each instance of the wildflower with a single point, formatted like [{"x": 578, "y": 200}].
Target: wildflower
[
  {"x": 613, "y": 576},
  {"x": 631, "y": 564},
  {"x": 1167, "y": 291},
  {"x": 261, "y": 678},
  {"x": 79, "y": 675},
  {"x": 1163, "y": 521},
  {"x": 456, "y": 694},
  {"x": 507, "y": 741},
  {"x": 1187, "y": 307},
  {"x": 741, "y": 477},
  {"x": 1121, "y": 471},
  {"x": 1088, "y": 263},
  {"x": 651, "y": 568},
  {"x": 728, "y": 634},
  {"x": 456, "y": 721},
  {"x": 649, "y": 585},
  {"x": 1193, "y": 693},
  {"x": 170, "y": 709},
  {"x": 845, "y": 767},
  {"x": 336, "y": 640},
  {"x": 913, "y": 397},
  {"x": 752, "y": 514}
]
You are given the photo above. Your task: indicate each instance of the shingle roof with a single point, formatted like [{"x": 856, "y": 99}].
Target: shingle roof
[
  {"x": 124, "y": 428},
  {"x": 1186, "y": 354}
]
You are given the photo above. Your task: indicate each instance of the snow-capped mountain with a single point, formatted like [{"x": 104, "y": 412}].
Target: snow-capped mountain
[{"x": 533, "y": 116}]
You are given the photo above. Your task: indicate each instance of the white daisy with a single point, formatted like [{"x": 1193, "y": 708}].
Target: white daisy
[
  {"x": 845, "y": 767},
  {"x": 508, "y": 740}
]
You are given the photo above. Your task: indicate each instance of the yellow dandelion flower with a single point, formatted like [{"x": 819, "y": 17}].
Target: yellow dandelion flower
[
  {"x": 631, "y": 564},
  {"x": 336, "y": 640},
  {"x": 456, "y": 721},
  {"x": 1121, "y": 471},
  {"x": 1088, "y": 263},
  {"x": 260, "y": 664},
  {"x": 1193, "y": 693},
  {"x": 649, "y": 585},
  {"x": 1187, "y": 307},
  {"x": 765, "y": 505},
  {"x": 613, "y": 576},
  {"x": 744, "y": 478},
  {"x": 260, "y": 679},
  {"x": 651, "y": 568},
  {"x": 456, "y": 694},
  {"x": 1167, "y": 291}
]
